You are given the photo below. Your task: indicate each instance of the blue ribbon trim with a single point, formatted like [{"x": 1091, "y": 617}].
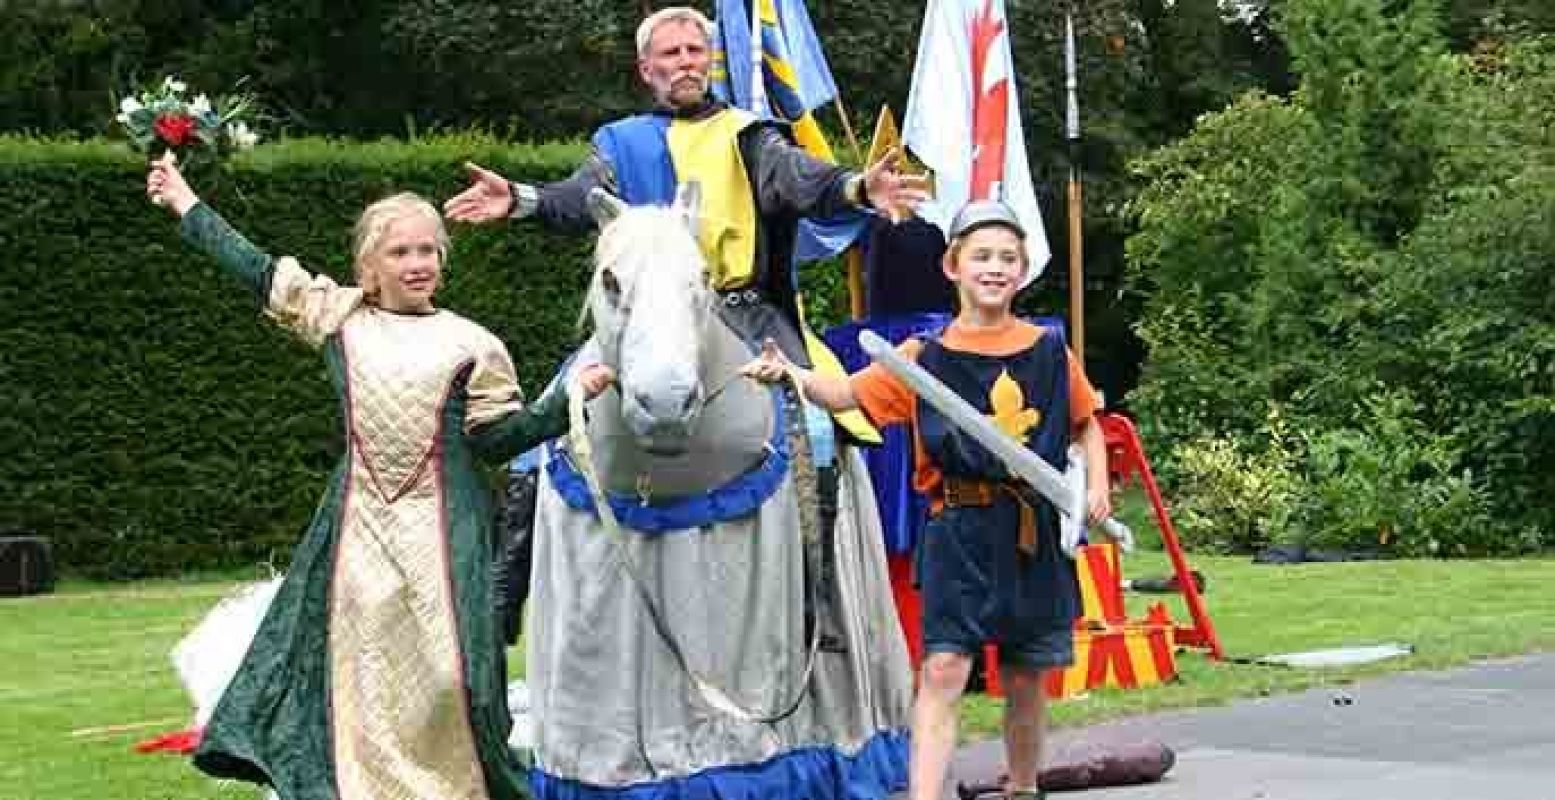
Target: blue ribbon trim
[
  {"x": 740, "y": 497},
  {"x": 807, "y": 773}
]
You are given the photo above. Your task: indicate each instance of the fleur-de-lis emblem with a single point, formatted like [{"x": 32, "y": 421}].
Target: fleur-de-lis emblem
[{"x": 1009, "y": 408}]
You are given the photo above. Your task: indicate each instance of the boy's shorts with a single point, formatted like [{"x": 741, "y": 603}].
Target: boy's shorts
[
  {"x": 1052, "y": 650},
  {"x": 979, "y": 589}
]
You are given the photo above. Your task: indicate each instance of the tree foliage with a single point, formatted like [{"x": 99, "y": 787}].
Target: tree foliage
[
  {"x": 548, "y": 69},
  {"x": 1368, "y": 259}
]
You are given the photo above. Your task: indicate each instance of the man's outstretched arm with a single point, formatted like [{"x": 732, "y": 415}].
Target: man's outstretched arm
[
  {"x": 563, "y": 204},
  {"x": 492, "y": 197},
  {"x": 790, "y": 180}
]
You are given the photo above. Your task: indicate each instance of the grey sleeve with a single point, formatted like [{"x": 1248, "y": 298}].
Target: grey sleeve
[
  {"x": 563, "y": 204},
  {"x": 791, "y": 181}
]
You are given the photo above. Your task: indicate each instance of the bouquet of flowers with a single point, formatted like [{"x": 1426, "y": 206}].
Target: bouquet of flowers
[{"x": 162, "y": 118}]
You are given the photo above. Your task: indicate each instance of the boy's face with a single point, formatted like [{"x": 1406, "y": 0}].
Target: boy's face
[{"x": 987, "y": 268}]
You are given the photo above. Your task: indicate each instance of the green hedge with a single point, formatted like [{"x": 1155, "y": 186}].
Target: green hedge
[{"x": 153, "y": 422}]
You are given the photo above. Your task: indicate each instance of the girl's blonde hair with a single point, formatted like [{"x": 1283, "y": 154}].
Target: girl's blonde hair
[{"x": 374, "y": 224}]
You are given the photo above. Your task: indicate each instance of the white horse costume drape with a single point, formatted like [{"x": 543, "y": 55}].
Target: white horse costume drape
[{"x": 615, "y": 709}]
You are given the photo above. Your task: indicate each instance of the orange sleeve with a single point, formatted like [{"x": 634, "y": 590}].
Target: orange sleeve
[
  {"x": 881, "y": 395},
  {"x": 1082, "y": 396}
]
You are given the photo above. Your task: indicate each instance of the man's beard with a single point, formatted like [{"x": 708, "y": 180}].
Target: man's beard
[{"x": 687, "y": 92}]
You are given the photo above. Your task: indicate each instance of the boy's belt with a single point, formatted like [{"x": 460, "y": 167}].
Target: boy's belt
[{"x": 967, "y": 493}]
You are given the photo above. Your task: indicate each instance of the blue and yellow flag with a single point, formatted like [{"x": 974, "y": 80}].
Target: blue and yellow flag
[
  {"x": 786, "y": 78},
  {"x": 795, "y": 78},
  {"x": 772, "y": 66}
]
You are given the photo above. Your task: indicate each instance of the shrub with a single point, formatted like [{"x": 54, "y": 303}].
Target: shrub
[
  {"x": 154, "y": 424},
  {"x": 1235, "y": 495}
]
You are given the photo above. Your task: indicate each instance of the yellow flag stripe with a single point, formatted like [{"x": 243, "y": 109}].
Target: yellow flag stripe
[
  {"x": 808, "y": 133},
  {"x": 783, "y": 71}
]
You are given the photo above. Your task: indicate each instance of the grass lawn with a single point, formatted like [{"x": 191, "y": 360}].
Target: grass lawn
[{"x": 87, "y": 672}]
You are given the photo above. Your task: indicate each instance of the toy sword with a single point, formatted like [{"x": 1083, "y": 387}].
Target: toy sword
[{"x": 1021, "y": 462}]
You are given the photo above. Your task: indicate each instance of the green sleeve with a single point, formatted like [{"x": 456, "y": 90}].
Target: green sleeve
[
  {"x": 520, "y": 431},
  {"x": 205, "y": 230}
]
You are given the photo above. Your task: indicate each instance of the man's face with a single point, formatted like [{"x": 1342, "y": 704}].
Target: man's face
[{"x": 676, "y": 65}]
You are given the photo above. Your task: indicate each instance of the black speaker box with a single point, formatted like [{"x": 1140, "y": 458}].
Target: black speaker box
[{"x": 26, "y": 566}]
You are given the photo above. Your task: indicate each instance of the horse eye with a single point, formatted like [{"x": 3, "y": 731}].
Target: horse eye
[{"x": 608, "y": 280}]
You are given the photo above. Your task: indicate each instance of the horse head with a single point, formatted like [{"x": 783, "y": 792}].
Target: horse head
[{"x": 650, "y": 305}]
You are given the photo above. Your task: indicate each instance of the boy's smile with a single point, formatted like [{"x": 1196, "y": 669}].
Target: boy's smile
[{"x": 987, "y": 268}]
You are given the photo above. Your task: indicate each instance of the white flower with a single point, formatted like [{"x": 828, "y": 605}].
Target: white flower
[
  {"x": 128, "y": 106},
  {"x": 201, "y": 106},
  {"x": 174, "y": 85},
  {"x": 242, "y": 138}
]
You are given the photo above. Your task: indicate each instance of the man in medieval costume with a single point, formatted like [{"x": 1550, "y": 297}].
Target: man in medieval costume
[
  {"x": 755, "y": 186},
  {"x": 756, "y": 182}
]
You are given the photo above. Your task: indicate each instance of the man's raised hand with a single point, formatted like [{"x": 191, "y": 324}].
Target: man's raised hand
[
  {"x": 489, "y": 197},
  {"x": 892, "y": 191}
]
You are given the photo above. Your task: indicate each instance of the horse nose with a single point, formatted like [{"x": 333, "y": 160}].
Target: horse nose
[{"x": 677, "y": 404}]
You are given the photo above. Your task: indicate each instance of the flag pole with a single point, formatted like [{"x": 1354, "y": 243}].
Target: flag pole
[
  {"x": 847, "y": 129},
  {"x": 853, "y": 258},
  {"x": 1076, "y": 232}
]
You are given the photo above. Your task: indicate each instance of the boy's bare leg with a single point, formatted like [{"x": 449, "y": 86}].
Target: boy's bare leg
[
  {"x": 940, "y": 686},
  {"x": 1025, "y": 720}
]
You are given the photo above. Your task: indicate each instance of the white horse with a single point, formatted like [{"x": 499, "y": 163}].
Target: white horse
[{"x": 668, "y": 654}]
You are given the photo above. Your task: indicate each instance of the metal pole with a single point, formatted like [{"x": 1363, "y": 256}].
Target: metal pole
[{"x": 1076, "y": 228}]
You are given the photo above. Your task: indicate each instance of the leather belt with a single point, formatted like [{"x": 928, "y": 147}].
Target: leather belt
[{"x": 968, "y": 493}]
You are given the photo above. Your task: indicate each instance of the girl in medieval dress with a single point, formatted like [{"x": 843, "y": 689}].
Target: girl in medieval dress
[{"x": 375, "y": 672}]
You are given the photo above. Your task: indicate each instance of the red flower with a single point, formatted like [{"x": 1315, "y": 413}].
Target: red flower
[{"x": 175, "y": 129}]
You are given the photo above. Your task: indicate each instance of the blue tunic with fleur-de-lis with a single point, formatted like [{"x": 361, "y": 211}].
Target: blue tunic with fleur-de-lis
[{"x": 977, "y": 587}]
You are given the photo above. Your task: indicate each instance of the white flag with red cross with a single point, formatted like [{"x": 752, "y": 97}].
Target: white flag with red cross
[{"x": 963, "y": 118}]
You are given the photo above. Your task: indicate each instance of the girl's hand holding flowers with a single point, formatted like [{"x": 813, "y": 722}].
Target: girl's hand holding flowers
[
  {"x": 167, "y": 187},
  {"x": 163, "y": 120}
]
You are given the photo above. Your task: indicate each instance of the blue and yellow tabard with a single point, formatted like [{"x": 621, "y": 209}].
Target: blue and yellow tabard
[{"x": 651, "y": 154}]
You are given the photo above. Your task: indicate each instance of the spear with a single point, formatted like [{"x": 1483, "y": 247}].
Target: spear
[{"x": 1076, "y": 241}]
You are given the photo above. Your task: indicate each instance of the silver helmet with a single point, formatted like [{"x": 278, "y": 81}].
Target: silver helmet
[{"x": 980, "y": 213}]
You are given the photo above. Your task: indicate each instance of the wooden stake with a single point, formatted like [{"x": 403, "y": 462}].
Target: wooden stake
[
  {"x": 1076, "y": 268},
  {"x": 129, "y": 727},
  {"x": 853, "y": 258}
]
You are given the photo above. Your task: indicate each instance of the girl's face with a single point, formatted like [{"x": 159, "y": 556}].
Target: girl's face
[
  {"x": 408, "y": 265},
  {"x": 987, "y": 266}
]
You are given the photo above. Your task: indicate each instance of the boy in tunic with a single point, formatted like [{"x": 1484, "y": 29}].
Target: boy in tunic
[{"x": 990, "y": 566}]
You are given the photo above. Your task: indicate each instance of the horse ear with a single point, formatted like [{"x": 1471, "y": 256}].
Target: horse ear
[
  {"x": 688, "y": 202},
  {"x": 603, "y": 206}
]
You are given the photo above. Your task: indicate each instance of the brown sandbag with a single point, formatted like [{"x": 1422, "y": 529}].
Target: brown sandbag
[{"x": 1089, "y": 765}]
